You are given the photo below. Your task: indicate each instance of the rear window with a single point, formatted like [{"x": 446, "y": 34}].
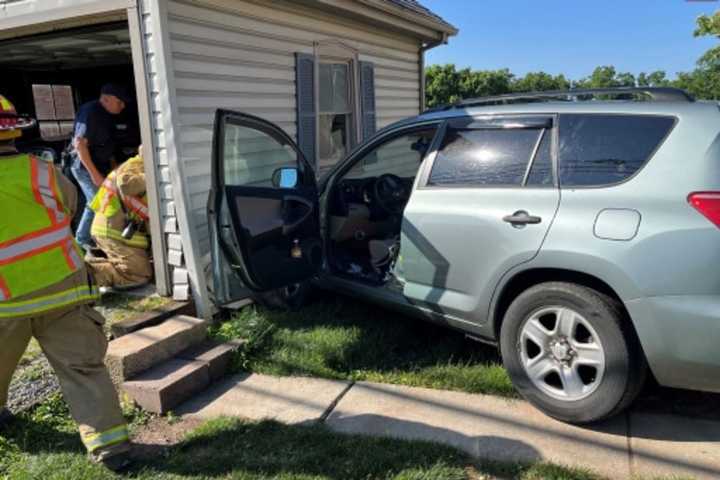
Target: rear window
[{"x": 597, "y": 150}]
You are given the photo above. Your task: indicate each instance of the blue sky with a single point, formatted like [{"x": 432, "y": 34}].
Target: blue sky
[{"x": 572, "y": 36}]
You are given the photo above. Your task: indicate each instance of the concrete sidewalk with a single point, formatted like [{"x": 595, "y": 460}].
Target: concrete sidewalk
[{"x": 486, "y": 427}]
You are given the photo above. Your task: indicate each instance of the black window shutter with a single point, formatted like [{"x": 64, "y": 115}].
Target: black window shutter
[
  {"x": 367, "y": 93},
  {"x": 305, "y": 95}
]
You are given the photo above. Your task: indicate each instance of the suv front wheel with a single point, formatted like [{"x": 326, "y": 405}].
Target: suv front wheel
[{"x": 570, "y": 352}]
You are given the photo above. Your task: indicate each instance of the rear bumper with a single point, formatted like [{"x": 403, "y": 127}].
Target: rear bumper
[{"x": 681, "y": 338}]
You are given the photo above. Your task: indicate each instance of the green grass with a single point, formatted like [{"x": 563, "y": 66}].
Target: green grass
[
  {"x": 343, "y": 339},
  {"x": 119, "y": 306},
  {"x": 43, "y": 444}
]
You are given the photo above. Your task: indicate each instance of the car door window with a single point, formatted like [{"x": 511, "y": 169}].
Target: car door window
[
  {"x": 484, "y": 157},
  {"x": 251, "y": 156},
  {"x": 400, "y": 156},
  {"x": 541, "y": 172}
]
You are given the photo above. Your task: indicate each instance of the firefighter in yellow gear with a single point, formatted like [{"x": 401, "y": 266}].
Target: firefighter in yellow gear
[
  {"x": 120, "y": 228},
  {"x": 47, "y": 293}
]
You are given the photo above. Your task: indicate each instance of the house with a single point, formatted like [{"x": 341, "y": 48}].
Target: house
[{"x": 330, "y": 72}]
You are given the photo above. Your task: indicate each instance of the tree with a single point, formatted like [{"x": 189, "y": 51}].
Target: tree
[
  {"x": 606, "y": 77},
  {"x": 539, "y": 82},
  {"x": 709, "y": 25},
  {"x": 442, "y": 85},
  {"x": 484, "y": 83},
  {"x": 657, "y": 78},
  {"x": 445, "y": 85}
]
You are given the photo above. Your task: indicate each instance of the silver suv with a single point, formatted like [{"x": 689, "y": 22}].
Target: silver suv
[{"x": 579, "y": 231}]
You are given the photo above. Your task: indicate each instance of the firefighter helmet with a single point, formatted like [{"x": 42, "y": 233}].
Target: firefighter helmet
[{"x": 11, "y": 123}]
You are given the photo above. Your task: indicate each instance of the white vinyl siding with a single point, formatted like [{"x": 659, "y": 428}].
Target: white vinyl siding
[{"x": 241, "y": 56}]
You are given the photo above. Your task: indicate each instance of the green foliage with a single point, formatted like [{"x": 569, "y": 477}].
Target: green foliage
[
  {"x": 445, "y": 84},
  {"x": 540, "y": 82},
  {"x": 606, "y": 77}
]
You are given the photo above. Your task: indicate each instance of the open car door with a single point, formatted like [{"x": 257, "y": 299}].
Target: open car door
[{"x": 263, "y": 209}]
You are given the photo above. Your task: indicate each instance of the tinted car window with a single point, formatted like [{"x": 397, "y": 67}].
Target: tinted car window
[
  {"x": 484, "y": 157},
  {"x": 606, "y": 149},
  {"x": 541, "y": 173}
]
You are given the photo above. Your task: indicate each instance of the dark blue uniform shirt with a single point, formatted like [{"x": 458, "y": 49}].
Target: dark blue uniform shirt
[{"x": 97, "y": 125}]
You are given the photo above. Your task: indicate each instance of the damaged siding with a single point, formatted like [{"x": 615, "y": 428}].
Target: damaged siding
[{"x": 240, "y": 55}]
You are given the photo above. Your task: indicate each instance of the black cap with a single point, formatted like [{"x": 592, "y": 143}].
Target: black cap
[{"x": 116, "y": 91}]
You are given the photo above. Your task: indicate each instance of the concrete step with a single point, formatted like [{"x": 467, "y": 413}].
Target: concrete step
[
  {"x": 217, "y": 356},
  {"x": 151, "y": 318},
  {"x": 163, "y": 387},
  {"x": 136, "y": 352}
]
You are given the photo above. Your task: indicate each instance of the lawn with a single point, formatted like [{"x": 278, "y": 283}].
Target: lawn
[
  {"x": 43, "y": 444},
  {"x": 340, "y": 338}
]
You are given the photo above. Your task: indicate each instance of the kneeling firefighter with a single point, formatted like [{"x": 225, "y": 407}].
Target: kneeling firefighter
[
  {"x": 120, "y": 228},
  {"x": 47, "y": 293}
]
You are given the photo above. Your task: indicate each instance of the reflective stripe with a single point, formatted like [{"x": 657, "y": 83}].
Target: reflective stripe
[
  {"x": 107, "y": 438},
  {"x": 49, "y": 302},
  {"x": 140, "y": 208},
  {"x": 17, "y": 249},
  {"x": 138, "y": 240},
  {"x": 134, "y": 204},
  {"x": 71, "y": 254},
  {"x": 4, "y": 290},
  {"x": 109, "y": 193},
  {"x": 43, "y": 180}
]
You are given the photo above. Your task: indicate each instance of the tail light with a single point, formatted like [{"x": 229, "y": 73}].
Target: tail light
[{"x": 707, "y": 203}]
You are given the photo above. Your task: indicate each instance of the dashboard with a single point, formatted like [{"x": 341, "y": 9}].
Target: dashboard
[{"x": 354, "y": 191}]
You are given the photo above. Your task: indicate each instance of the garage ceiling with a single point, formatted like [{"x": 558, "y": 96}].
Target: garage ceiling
[{"x": 71, "y": 49}]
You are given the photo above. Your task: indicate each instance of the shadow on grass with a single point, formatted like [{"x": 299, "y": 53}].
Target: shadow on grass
[
  {"x": 342, "y": 338},
  {"x": 236, "y": 449}
]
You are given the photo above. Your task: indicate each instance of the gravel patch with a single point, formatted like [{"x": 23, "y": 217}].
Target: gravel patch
[{"x": 32, "y": 383}]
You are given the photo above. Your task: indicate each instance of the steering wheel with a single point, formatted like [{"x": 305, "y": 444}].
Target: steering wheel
[{"x": 390, "y": 193}]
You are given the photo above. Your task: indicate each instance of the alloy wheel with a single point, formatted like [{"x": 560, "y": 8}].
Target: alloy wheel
[{"x": 561, "y": 353}]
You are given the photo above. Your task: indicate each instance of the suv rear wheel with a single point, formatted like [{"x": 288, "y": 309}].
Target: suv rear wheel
[{"x": 570, "y": 353}]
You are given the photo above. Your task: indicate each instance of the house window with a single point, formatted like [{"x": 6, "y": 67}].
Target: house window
[
  {"x": 336, "y": 120},
  {"x": 335, "y": 98}
]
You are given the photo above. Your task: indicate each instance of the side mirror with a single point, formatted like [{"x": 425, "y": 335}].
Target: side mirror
[{"x": 286, "y": 177}]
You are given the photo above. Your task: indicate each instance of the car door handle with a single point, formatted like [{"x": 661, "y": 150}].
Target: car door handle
[
  {"x": 293, "y": 224},
  {"x": 521, "y": 217}
]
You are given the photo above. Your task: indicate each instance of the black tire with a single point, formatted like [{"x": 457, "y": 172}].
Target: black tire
[
  {"x": 625, "y": 365},
  {"x": 292, "y": 297}
]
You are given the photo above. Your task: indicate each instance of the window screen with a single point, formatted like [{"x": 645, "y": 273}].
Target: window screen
[
  {"x": 484, "y": 157},
  {"x": 606, "y": 149},
  {"x": 335, "y": 121}
]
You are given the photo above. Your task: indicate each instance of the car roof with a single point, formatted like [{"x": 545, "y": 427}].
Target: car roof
[{"x": 676, "y": 109}]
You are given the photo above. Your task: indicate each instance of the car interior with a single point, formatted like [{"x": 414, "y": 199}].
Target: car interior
[{"x": 366, "y": 205}]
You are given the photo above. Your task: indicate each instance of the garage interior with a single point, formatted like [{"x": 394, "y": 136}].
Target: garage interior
[{"x": 50, "y": 75}]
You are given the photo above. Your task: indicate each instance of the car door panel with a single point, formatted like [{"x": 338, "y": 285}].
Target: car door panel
[
  {"x": 264, "y": 235},
  {"x": 458, "y": 240}
]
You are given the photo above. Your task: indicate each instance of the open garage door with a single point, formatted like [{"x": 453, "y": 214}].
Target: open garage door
[{"x": 50, "y": 75}]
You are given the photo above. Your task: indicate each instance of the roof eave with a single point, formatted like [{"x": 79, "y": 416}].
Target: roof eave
[
  {"x": 445, "y": 28},
  {"x": 381, "y": 12}
]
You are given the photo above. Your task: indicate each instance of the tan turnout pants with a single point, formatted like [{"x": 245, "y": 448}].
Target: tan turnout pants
[
  {"x": 75, "y": 345},
  {"x": 123, "y": 266}
]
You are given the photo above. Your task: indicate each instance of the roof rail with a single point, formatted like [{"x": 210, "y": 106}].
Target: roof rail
[{"x": 656, "y": 94}]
